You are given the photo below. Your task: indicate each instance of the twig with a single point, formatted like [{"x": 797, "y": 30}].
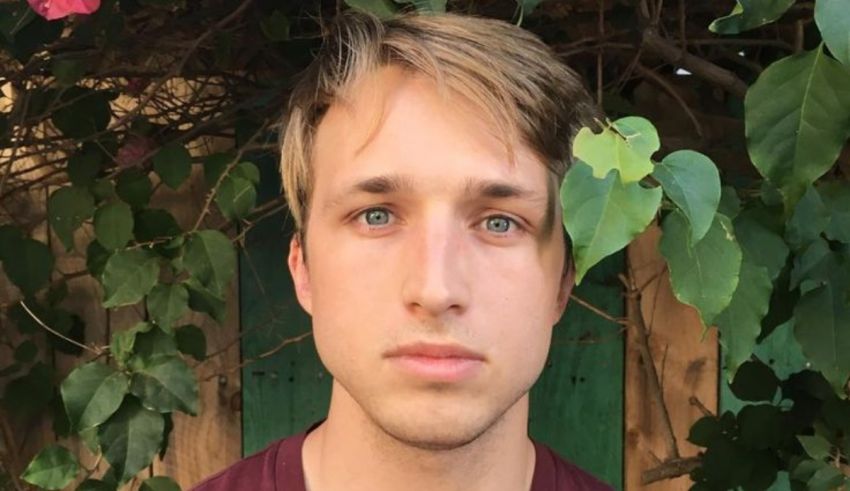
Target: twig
[
  {"x": 646, "y": 72},
  {"x": 696, "y": 402},
  {"x": 596, "y": 310},
  {"x": 223, "y": 175},
  {"x": 655, "y": 390},
  {"x": 95, "y": 350},
  {"x": 267, "y": 354},
  {"x": 670, "y": 469}
]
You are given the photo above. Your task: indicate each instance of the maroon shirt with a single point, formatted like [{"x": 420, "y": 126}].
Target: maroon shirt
[{"x": 278, "y": 468}]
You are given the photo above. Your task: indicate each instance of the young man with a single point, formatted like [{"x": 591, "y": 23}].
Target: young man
[{"x": 421, "y": 159}]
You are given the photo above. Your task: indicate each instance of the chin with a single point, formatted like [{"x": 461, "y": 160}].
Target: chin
[{"x": 436, "y": 425}]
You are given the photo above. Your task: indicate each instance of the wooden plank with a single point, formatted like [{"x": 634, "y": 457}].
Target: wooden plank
[
  {"x": 686, "y": 366},
  {"x": 577, "y": 403},
  {"x": 284, "y": 392},
  {"x": 204, "y": 444}
]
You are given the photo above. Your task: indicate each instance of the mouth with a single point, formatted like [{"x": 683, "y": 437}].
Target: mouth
[{"x": 437, "y": 362}]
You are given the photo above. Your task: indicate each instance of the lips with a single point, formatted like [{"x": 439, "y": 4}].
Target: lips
[
  {"x": 445, "y": 363},
  {"x": 428, "y": 350}
]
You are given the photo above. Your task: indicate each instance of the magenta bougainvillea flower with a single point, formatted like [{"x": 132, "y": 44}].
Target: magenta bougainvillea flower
[
  {"x": 57, "y": 9},
  {"x": 135, "y": 148}
]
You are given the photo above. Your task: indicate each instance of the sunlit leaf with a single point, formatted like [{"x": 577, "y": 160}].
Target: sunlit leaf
[
  {"x": 53, "y": 468},
  {"x": 603, "y": 215}
]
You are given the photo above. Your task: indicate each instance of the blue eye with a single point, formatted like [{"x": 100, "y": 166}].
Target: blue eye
[
  {"x": 498, "y": 224},
  {"x": 376, "y": 217}
]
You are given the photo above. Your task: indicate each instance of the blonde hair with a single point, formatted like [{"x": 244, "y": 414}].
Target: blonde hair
[{"x": 502, "y": 69}]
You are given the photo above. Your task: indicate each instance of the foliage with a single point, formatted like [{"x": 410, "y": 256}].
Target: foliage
[{"x": 104, "y": 112}]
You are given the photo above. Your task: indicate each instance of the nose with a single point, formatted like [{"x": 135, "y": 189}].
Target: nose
[{"x": 435, "y": 280}]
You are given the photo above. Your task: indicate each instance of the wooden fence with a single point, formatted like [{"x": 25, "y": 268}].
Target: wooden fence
[{"x": 264, "y": 380}]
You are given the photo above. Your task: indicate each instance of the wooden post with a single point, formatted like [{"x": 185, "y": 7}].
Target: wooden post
[{"x": 686, "y": 366}]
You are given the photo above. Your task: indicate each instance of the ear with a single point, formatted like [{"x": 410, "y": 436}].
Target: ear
[
  {"x": 300, "y": 274},
  {"x": 565, "y": 288}
]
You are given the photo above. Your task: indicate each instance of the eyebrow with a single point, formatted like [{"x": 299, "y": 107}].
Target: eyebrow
[{"x": 473, "y": 188}]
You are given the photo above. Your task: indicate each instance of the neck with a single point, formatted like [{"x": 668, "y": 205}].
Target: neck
[{"x": 349, "y": 452}]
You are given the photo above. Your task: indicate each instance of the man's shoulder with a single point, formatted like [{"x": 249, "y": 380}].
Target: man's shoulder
[
  {"x": 257, "y": 472},
  {"x": 554, "y": 473}
]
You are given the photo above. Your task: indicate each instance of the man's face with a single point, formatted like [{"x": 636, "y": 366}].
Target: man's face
[{"x": 420, "y": 230}]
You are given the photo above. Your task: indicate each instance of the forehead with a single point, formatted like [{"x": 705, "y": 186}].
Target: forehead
[{"x": 394, "y": 121}]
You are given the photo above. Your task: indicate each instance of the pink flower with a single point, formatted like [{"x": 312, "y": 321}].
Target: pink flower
[
  {"x": 135, "y": 148},
  {"x": 56, "y": 9}
]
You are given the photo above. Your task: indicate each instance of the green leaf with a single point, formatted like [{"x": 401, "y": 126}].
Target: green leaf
[
  {"x": 173, "y": 164},
  {"x": 102, "y": 189},
  {"x": 761, "y": 245},
  {"x": 236, "y": 197},
  {"x": 812, "y": 265},
  {"x": 134, "y": 188},
  {"x": 67, "y": 71},
  {"x": 68, "y": 207},
  {"x": 53, "y": 468},
  {"x": 836, "y": 199},
  {"x": 130, "y": 438},
  {"x": 603, "y": 215},
  {"x": 128, "y": 276},
  {"x": 749, "y": 14},
  {"x": 822, "y": 323},
  {"x": 84, "y": 166},
  {"x": 155, "y": 224},
  {"x": 149, "y": 344},
  {"x": 383, "y": 9},
  {"x": 113, "y": 224},
  {"x": 26, "y": 352},
  {"x": 96, "y": 257},
  {"x": 703, "y": 274},
  {"x": 191, "y": 341},
  {"x": 826, "y": 479},
  {"x": 691, "y": 181},
  {"x": 832, "y": 18},
  {"x": 215, "y": 165},
  {"x": 792, "y": 137},
  {"x": 30, "y": 394},
  {"x": 626, "y": 146},
  {"x": 159, "y": 483},
  {"x": 809, "y": 219},
  {"x": 755, "y": 381},
  {"x": 123, "y": 343},
  {"x": 201, "y": 299},
  {"x": 211, "y": 259},
  {"x": 427, "y": 6},
  {"x": 92, "y": 393},
  {"x": 167, "y": 303},
  {"x": 705, "y": 431},
  {"x": 816, "y": 446},
  {"x": 9, "y": 237},
  {"x": 87, "y": 112},
  {"x": 760, "y": 426},
  {"x": 730, "y": 203},
  {"x": 165, "y": 384},
  {"x": 31, "y": 267},
  {"x": 528, "y": 6},
  {"x": 275, "y": 26}
]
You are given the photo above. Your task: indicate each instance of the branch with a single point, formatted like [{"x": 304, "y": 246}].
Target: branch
[
  {"x": 596, "y": 310},
  {"x": 655, "y": 390},
  {"x": 646, "y": 72},
  {"x": 96, "y": 351},
  {"x": 267, "y": 354},
  {"x": 670, "y": 469},
  {"x": 675, "y": 55}
]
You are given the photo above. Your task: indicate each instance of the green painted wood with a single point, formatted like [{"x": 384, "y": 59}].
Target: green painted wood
[
  {"x": 577, "y": 405},
  {"x": 286, "y": 392},
  {"x": 783, "y": 353}
]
